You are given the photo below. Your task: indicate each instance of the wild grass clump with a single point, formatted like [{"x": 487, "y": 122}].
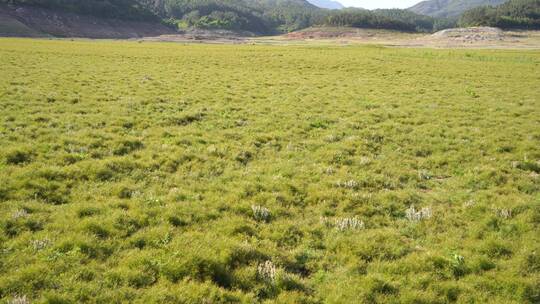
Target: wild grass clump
[
  {"x": 19, "y": 156},
  {"x": 127, "y": 146},
  {"x": 354, "y": 223},
  {"x": 350, "y": 184},
  {"x": 414, "y": 215},
  {"x": 40, "y": 244},
  {"x": 20, "y": 213},
  {"x": 504, "y": 213},
  {"x": 19, "y": 300},
  {"x": 267, "y": 271},
  {"x": 344, "y": 224},
  {"x": 260, "y": 213}
]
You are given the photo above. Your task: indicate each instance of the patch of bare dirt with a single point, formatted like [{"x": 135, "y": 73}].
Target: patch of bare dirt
[
  {"x": 478, "y": 37},
  {"x": 346, "y": 34},
  {"x": 474, "y": 37},
  {"x": 204, "y": 36},
  {"x": 470, "y": 34}
]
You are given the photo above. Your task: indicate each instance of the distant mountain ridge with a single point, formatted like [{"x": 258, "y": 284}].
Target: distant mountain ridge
[
  {"x": 328, "y": 4},
  {"x": 450, "y": 8}
]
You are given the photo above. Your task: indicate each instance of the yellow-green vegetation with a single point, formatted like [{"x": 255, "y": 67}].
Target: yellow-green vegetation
[{"x": 168, "y": 173}]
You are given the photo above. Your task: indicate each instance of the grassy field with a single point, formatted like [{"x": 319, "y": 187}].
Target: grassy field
[{"x": 168, "y": 173}]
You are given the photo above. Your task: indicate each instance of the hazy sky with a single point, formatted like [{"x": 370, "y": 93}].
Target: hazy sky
[{"x": 371, "y": 4}]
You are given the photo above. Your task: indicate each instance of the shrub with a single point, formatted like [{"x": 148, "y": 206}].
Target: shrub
[
  {"x": 125, "y": 192},
  {"x": 97, "y": 230},
  {"x": 177, "y": 221},
  {"x": 197, "y": 268},
  {"x": 127, "y": 146},
  {"x": 496, "y": 249},
  {"x": 244, "y": 157},
  {"x": 4, "y": 193},
  {"x": 18, "y": 156},
  {"x": 52, "y": 192},
  {"x": 483, "y": 264},
  {"x": 187, "y": 119},
  {"x": 529, "y": 166},
  {"x": 531, "y": 263},
  {"x": 87, "y": 212}
]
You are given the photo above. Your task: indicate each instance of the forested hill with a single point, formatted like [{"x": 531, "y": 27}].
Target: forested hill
[
  {"x": 394, "y": 19},
  {"x": 118, "y": 9},
  {"x": 522, "y": 14},
  {"x": 258, "y": 16},
  {"x": 449, "y": 8}
]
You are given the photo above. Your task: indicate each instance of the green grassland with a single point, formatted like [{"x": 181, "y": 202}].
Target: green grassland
[{"x": 169, "y": 173}]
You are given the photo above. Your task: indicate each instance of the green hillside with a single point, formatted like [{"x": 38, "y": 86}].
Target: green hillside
[
  {"x": 258, "y": 16},
  {"x": 523, "y": 14},
  {"x": 120, "y": 9},
  {"x": 395, "y": 19},
  {"x": 449, "y": 8}
]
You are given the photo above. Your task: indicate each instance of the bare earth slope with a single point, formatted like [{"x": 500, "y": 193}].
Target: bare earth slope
[
  {"x": 35, "y": 22},
  {"x": 473, "y": 37}
]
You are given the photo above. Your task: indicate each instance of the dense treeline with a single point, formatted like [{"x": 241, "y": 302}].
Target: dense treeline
[
  {"x": 121, "y": 9},
  {"x": 395, "y": 19},
  {"x": 260, "y": 16},
  {"x": 264, "y": 16},
  {"x": 523, "y": 14}
]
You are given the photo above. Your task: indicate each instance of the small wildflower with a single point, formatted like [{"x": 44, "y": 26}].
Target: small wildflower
[
  {"x": 351, "y": 184},
  {"x": 504, "y": 213},
  {"x": 329, "y": 170},
  {"x": 325, "y": 221},
  {"x": 365, "y": 160},
  {"x": 354, "y": 223},
  {"x": 424, "y": 174},
  {"x": 40, "y": 244},
  {"x": 415, "y": 216},
  {"x": 260, "y": 213},
  {"x": 332, "y": 138},
  {"x": 458, "y": 259},
  {"x": 154, "y": 201},
  {"x": 267, "y": 271},
  {"x": 19, "y": 300},
  {"x": 21, "y": 213},
  {"x": 469, "y": 203}
]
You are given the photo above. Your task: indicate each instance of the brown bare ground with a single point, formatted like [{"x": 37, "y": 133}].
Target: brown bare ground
[{"x": 478, "y": 37}]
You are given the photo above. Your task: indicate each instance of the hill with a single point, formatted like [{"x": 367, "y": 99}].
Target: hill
[
  {"x": 515, "y": 14},
  {"x": 393, "y": 19},
  {"x": 328, "y": 4},
  {"x": 110, "y": 9},
  {"x": 43, "y": 18},
  {"x": 449, "y": 8},
  {"x": 257, "y": 16}
]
